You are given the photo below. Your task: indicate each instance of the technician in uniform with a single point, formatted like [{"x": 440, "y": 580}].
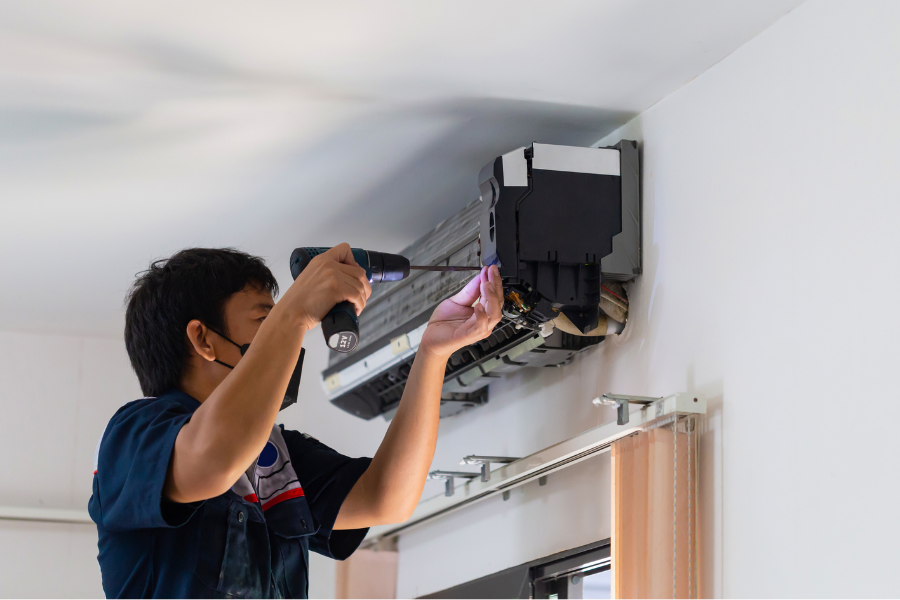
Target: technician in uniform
[{"x": 197, "y": 492}]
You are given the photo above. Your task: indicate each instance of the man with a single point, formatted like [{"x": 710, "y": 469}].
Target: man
[{"x": 197, "y": 493}]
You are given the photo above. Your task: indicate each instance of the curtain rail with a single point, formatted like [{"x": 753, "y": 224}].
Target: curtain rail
[
  {"x": 46, "y": 515},
  {"x": 544, "y": 462}
]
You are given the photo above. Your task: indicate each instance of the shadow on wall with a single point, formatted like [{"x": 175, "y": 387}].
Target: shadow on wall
[{"x": 644, "y": 293}]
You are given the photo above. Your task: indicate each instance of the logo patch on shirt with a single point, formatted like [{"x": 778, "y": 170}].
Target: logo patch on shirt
[
  {"x": 268, "y": 456},
  {"x": 271, "y": 479}
]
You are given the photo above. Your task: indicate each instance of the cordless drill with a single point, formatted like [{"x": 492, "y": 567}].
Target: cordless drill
[{"x": 341, "y": 326}]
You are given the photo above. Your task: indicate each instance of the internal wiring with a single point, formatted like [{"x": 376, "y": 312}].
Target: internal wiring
[{"x": 613, "y": 293}]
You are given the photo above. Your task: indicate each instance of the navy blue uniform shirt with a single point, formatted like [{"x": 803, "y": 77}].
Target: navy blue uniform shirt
[{"x": 252, "y": 541}]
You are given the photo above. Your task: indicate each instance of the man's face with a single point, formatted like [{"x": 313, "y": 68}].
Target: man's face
[{"x": 244, "y": 312}]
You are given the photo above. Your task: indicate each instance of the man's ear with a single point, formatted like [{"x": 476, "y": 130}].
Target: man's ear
[{"x": 198, "y": 338}]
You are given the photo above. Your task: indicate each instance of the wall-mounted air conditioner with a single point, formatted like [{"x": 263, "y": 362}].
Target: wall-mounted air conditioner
[{"x": 564, "y": 225}]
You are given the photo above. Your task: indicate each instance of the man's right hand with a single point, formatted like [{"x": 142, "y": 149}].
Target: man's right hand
[{"x": 330, "y": 278}]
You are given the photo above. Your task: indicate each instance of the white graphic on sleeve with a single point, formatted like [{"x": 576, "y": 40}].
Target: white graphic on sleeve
[{"x": 271, "y": 479}]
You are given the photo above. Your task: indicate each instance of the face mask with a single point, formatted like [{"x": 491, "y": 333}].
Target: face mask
[{"x": 293, "y": 388}]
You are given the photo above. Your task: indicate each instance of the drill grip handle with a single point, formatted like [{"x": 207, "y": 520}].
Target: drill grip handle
[{"x": 340, "y": 326}]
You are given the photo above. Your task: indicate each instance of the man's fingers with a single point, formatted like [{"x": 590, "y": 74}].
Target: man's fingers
[
  {"x": 494, "y": 278},
  {"x": 356, "y": 272},
  {"x": 487, "y": 313},
  {"x": 343, "y": 254},
  {"x": 487, "y": 295},
  {"x": 492, "y": 294},
  {"x": 467, "y": 328},
  {"x": 353, "y": 291},
  {"x": 469, "y": 294},
  {"x": 478, "y": 323}
]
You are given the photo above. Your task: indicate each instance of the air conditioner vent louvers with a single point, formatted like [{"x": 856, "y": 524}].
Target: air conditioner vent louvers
[{"x": 561, "y": 202}]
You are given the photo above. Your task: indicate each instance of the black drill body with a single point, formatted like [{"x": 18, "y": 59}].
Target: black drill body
[{"x": 341, "y": 325}]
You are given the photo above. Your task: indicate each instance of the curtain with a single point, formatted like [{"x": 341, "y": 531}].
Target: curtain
[
  {"x": 367, "y": 574},
  {"x": 654, "y": 512}
]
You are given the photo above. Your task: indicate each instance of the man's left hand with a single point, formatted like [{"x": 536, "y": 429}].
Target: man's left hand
[{"x": 456, "y": 323}]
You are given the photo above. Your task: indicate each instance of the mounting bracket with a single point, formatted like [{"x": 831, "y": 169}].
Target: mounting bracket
[
  {"x": 485, "y": 462},
  {"x": 621, "y": 403},
  {"x": 449, "y": 477}
]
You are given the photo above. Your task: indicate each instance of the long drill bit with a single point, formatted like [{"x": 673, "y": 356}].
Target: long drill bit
[{"x": 437, "y": 268}]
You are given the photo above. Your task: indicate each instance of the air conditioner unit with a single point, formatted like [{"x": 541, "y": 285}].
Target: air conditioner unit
[{"x": 564, "y": 225}]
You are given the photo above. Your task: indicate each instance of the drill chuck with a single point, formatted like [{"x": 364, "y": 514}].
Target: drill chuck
[{"x": 386, "y": 267}]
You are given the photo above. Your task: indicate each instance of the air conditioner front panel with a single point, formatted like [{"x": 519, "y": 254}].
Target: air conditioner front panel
[{"x": 558, "y": 221}]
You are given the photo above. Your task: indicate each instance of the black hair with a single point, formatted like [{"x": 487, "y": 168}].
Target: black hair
[{"x": 192, "y": 284}]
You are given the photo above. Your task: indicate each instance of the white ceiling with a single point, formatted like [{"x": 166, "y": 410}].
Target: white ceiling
[{"x": 131, "y": 130}]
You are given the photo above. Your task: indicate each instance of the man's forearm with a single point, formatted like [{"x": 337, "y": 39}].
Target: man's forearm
[
  {"x": 243, "y": 407},
  {"x": 392, "y": 485}
]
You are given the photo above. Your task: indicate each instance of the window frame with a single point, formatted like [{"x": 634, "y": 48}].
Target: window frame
[{"x": 539, "y": 578}]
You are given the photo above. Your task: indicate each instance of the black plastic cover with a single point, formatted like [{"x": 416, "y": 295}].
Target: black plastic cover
[{"x": 551, "y": 237}]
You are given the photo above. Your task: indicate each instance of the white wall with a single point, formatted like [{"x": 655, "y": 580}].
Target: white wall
[
  {"x": 56, "y": 395},
  {"x": 48, "y": 560},
  {"x": 770, "y": 283},
  {"x": 770, "y": 244}
]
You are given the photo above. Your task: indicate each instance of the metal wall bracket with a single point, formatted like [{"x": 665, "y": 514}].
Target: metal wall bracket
[
  {"x": 449, "y": 479},
  {"x": 621, "y": 403},
  {"x": 485, "y": 462}
]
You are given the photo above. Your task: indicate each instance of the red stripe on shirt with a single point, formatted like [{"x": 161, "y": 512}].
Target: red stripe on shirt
[
  {"x": 295, "y": 493},
  {"x": 251, "y": 498}
]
